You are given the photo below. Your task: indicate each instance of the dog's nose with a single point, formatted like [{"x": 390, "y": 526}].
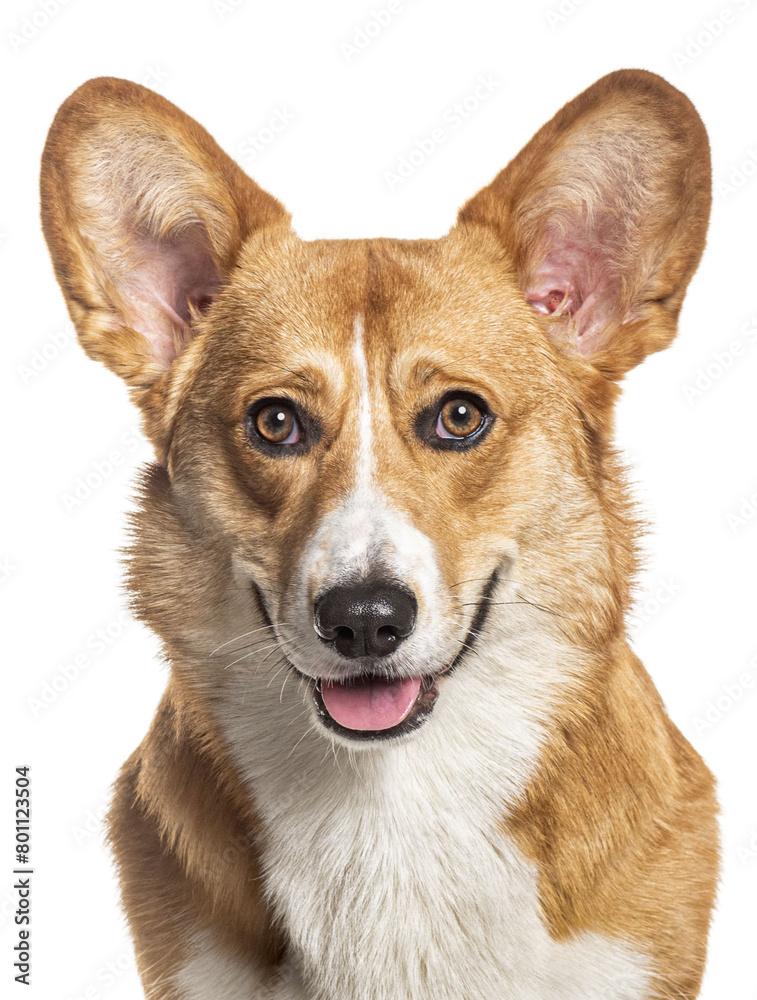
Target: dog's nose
[{"x": 365, "y": 620}]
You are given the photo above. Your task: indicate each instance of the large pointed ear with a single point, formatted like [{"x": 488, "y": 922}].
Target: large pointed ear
[
  {"x": 604, "y": 215},
  {"x": 144, "y": 215}
]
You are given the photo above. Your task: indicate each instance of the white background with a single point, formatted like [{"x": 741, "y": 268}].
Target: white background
[{"x": 353, "y": 118}]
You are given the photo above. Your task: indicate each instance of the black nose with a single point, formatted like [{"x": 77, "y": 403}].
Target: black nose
[{"x": 370, "y": 619}]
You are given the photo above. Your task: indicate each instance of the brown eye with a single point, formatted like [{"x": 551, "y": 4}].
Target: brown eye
[
  {"x": 281, "y": 428},
  {"x": 276, "y": 423},
  {"x": 459, "y": 418},
  {"x": 458, "y": 421}
]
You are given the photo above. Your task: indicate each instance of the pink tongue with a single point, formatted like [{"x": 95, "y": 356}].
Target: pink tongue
[{"x": 371, "y": 704}]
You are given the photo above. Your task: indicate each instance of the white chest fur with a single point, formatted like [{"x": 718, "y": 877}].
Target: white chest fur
[{"x": 389, "y": 868}]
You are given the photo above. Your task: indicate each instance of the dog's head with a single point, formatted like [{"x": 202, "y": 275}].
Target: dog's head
[{"x": 368, "y": 451}]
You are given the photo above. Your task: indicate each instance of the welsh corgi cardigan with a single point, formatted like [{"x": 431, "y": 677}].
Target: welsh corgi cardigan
[{"x": 406, "y": 752}]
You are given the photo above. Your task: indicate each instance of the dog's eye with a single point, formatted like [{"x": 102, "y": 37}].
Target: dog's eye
[
  {"x": 277, "y": 424},
  {"x": 458, "y": 421},
  {"x": 459, "y": 418},
  {"x": 274, "y": 426}
]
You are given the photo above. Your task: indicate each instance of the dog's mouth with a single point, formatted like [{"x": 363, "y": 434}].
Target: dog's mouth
[{"x": 371, "y": 707}]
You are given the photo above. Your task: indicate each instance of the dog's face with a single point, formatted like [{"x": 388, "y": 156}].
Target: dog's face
[
  {"x": 381, "y": 428},
  {"x": 360, "y": 440}
]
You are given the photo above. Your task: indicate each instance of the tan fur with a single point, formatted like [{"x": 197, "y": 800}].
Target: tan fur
[
  {"x": 185, "y": 834},
  {"x": 620, "y": 816},
  {"x": 595, "y": 776}
]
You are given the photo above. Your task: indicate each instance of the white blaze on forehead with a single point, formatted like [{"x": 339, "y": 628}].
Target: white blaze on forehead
[
  {"x": 364, "y": 467},
  {"x": 365, "y": 535},
  {"x": 368, "y": 527}
]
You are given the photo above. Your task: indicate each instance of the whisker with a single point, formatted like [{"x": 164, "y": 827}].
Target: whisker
[
  {"x": 281, "y": 694},
  {"x": 248, "y": 655},
  {"x": 279, "y": 645},
  {"x": 308, "y": 730},
  {"x": 473, "y": 579},
  {"x": 252, "y": 646},
  {"x": 547, "y": 611},
  {"x": 244, "y": 635},
  {"x": 281, "y": 664},
  {"x": 531, "y": 604}
]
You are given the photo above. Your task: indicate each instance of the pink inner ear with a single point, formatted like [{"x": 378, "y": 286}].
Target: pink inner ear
[
  {"x": 170, "y": 281},
  {"x": 549, "y": 300},
  {"x": 574, "y": 279}
]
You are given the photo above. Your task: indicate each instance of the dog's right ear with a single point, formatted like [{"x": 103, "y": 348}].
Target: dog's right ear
[{"x": 144, "y": 215}]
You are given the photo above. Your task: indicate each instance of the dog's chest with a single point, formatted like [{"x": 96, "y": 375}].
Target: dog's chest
[
  {"x": 390, "y": 870},
  {"x": 394, "y": 882}
]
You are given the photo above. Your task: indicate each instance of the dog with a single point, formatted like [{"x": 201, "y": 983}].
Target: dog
[{"x": 405, "y": 752}]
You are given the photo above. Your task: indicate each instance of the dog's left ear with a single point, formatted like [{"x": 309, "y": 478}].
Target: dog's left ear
[{"x": 604, "y": 214}]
